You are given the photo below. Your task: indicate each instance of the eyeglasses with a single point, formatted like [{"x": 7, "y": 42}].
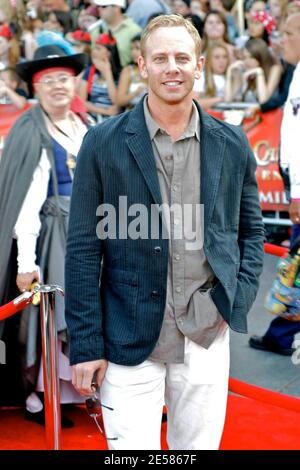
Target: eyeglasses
[
  {"x": 50, "y": 82},
  {"x": 93, "y": 407}
]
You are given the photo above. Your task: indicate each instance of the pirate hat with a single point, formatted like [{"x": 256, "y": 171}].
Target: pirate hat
[{"x": 50, "y": 56}]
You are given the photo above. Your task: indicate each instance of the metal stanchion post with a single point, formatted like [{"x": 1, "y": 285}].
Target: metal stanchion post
[{"x": 50, "y": 366}]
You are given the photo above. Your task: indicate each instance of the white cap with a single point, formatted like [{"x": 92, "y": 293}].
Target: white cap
[{"x": 105, "y": 3}]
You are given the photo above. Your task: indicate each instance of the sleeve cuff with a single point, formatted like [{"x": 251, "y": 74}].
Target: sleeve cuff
[
  {"x": 26, "y": 253},
  {"x": 86, "y": 349}
]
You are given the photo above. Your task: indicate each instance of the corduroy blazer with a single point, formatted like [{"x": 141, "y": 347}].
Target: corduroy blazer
[{"x": 116, "y": 287}]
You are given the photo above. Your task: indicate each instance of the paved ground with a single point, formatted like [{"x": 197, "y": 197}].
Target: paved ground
[{"x": 262, "y": 368}]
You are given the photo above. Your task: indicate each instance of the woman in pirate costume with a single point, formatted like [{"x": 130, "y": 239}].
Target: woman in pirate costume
[{"x": 36, "y": 173}]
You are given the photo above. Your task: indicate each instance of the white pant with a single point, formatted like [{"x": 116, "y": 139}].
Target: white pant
[{"x": 195, "y": 394}]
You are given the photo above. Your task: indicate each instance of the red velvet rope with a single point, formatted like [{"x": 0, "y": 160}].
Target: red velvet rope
[
  {"x": 11, "y": 308},
  {"x": 235, "y": 385},
  {"x": 275, "y": 250}
]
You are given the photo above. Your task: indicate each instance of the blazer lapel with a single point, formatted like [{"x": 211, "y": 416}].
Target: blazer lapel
[
  {"x": 212, "y": 153},
  {"x": 139, "y": 143}
]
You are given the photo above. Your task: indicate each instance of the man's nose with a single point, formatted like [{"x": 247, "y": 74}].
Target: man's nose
[{"x": 172, "y": 65}]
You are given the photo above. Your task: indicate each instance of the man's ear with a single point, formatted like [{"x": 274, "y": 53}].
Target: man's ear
[{"x": 142, "y": 67}]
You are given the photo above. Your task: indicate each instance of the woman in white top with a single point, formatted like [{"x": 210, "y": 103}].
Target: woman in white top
[
  {"x": 131, "y": 85},
  {"x": 210, "y": 88},
  {"x": 36, "y": 176},
  {"x": 255, "y": 78}
]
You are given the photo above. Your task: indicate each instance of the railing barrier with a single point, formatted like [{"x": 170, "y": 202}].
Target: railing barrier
[
  {"x": 49, "y": 354},
  {"x": 50, "y": 358}
]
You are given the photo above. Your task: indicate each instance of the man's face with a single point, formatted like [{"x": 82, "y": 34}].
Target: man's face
[
  {"x": 291, "y": 39},
  {"x": 170, "y": 64},
  {"x": 107, "y": 13}
]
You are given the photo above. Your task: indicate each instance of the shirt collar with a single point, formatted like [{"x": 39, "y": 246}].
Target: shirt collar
[{"x": 192, "y": 130}]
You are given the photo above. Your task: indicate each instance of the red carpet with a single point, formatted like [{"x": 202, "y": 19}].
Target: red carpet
[
  {"x": 250, "y": 425},
  {"x": 18, "y": 434}
]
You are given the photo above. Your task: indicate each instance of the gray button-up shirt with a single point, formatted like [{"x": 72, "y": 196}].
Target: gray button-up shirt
[{"x": 189, "y": 309}]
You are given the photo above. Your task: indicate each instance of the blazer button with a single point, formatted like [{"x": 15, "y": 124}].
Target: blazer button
[
  {"x": 155, "y": 295},
  {"x": 157, "y": 249}
]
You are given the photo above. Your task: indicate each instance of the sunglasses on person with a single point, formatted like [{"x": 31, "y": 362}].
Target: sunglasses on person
[
  {"x": 51, "y": 82},
  {"x": 94, "y": 410}
]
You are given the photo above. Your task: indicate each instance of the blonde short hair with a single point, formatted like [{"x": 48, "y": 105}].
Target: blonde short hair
[{"x": 170, "y": 21}]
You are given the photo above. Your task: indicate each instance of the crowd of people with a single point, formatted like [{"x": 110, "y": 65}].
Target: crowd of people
[
  {"x": 242, "y": 64},
  {"x": 83, "y": 62}
]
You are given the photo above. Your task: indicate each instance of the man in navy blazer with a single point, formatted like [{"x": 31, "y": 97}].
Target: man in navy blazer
[{"x": 148, "y": 311}]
